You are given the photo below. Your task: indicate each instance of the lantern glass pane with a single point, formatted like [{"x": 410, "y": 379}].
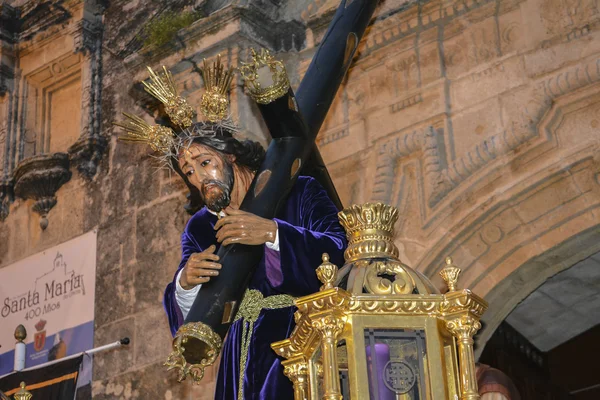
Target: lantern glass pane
[
  {"x": 317, "y": 374},
  {"x": 342, "y": 360},
  {"x": 396, "y": 362}
]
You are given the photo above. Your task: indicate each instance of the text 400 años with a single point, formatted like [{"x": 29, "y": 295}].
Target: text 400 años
[{"x": 36, "y": 312}]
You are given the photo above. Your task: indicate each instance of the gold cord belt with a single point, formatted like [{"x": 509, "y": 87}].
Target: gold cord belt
[{"x": 252, "y": 304}]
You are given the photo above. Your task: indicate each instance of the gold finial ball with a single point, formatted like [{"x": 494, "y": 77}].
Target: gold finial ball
[
  {"x": 325, "y": 257},
  {"x": 20, "y": 333},
  {"x": 448, "y": 261}
]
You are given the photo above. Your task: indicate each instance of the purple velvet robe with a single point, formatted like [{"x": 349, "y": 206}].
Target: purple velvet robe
[{"x": 308, "y": 227}]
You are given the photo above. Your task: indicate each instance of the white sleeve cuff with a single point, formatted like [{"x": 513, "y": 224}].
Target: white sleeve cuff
[
  {"x": 185, "y": 298},
  {"x": 275, "y": 244}
]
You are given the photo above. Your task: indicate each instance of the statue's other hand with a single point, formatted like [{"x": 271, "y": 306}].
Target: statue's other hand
[
  {"x": 245, "y": 228},
  {"x": 200, "y": 267}
]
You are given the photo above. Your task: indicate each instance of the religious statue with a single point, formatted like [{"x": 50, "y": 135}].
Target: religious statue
[{"x": 263, "y": 226}]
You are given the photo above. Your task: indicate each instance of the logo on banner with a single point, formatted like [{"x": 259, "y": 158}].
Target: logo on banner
[{"x": 39, "y": 339}]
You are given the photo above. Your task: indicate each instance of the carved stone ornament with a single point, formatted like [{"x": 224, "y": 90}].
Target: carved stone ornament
[
  {"x": 86, "y": 154},
  {"x": 39, "y": 178},
  {"x": 6, "y": 197}
]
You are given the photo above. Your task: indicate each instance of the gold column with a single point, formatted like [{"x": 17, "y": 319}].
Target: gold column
[
  {"x": 330, "y": 327},
  {"x": 463, "y": 328},
  {"x": 297, "y": 371},
  {"x": 462, "y": 325}
]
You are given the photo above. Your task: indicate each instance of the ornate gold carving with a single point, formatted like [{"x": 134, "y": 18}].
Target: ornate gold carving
[
  {"x": 163, "y": 88},
  {"x": 461, "y": 301},
  {"x": 463, "y": 328},
  {"x": 450, "y": 274},
  {"x": 327, "y": 273},
  {"x": 402, "y": 284},
  {"x": 215, "y": 104},
  {"x": 297, "y": 372},
  {"x": 158, "y": 137},
  {"x": 23, "y": 393},
  {"x": 251, "y": 73},
  {"x": 203, "y": 346},
  {"x": 369, "y": 228}
]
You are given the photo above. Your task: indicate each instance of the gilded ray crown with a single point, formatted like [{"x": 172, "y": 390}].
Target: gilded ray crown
[
  {"x": 163, "y": 88},
  {"x": 251, "y": 73},
  {"x": 159, "y": 138},
  {"x": 217, "y": 80}
]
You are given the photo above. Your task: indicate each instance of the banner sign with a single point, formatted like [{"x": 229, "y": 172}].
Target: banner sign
[
  {"x": 52, "y": 295},
  {"x": 53, "y": 382}
]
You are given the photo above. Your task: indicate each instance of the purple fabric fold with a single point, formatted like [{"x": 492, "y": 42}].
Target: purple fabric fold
[{"x": 308, "y": 226}]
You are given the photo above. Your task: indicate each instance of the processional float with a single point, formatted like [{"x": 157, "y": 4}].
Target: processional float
[{"x": 381, "y": 330}]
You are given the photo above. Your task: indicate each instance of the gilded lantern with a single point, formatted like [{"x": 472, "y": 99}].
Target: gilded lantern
[{"x": 378, "y": 329}]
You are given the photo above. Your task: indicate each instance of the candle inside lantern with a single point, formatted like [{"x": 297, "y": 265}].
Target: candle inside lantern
[{"x": 376, "y": 375}]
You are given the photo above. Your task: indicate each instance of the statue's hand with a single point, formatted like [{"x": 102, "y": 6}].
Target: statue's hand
[
  {"x": 245, "y": 228},
  {"x": 200, "y": 267}
]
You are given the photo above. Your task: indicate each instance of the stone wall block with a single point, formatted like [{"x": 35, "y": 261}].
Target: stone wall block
[
  {"x": 490, "y": 80},
  {"x": 149, "y": 382},
  {"x": 114, "y": 362},
  {"x": 116, "y": 245},
  {"x": 159, "y": 226},
  {"x": 475, "y": 124},
  {"x": 115, "y": 296},
  {"x": 153, "y": 271},
  {"x": 152, "y": 337}
]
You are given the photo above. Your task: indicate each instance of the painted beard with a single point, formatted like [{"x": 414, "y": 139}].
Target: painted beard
[{"x": 216, "y": 193}]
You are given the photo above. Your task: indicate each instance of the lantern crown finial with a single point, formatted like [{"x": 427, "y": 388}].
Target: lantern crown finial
[
  {"x": 23, "y": 393},
  {"x": 327, "y": 273},
  {"x": 370, "y": 231},
  {"x": 450, "y": 274}
]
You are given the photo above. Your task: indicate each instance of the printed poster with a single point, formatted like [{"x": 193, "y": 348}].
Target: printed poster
[{"x": 52, "y": 294}]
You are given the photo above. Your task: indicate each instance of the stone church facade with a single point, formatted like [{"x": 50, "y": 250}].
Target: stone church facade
[{"x": 479, "y": 120}]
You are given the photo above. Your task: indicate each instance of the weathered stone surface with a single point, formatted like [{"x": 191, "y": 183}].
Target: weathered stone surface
[
  {"x": 116, "y": 245},
  {"x": 159, "y": 227},
  {"x": 153, "y": 338},
  {"x": 117, "y": 361},
  {"x": 152, "y": 273},
  {"x": 115, "y": 294},
  {"x": 149, "y": 382}
]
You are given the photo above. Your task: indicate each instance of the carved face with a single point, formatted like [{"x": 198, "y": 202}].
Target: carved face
[{"x": 209, "y": 171}]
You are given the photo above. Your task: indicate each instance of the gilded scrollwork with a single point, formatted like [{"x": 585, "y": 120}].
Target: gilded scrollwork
[{"x": 377, "y": 284}]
